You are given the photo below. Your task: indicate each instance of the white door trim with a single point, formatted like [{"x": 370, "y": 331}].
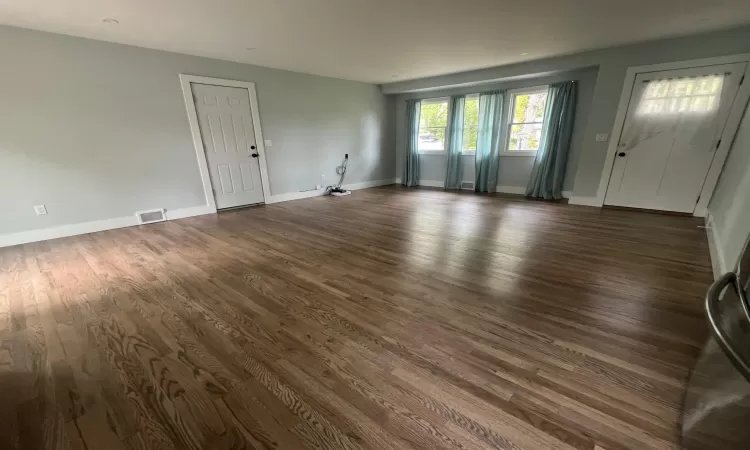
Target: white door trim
[
  {"x": 187, "y": 93},
  {"x": 727, "y": 136}
]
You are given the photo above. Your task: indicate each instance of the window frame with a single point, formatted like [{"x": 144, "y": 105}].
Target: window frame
[
  {"x": 512, "y": 94},
  {"x": 429, "y": 101}
]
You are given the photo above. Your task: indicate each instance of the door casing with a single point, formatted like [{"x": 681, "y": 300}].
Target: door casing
[
  {"x": 668, "y": 159},
  {"x": 186, "y": 82},
  {"x": 727, "y": 137}
]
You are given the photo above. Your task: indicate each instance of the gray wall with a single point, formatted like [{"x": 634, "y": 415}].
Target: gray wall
[
  {"x": 514, "y": 170},
  {"x": 96, "y": 130},
  {"x": 730, "y": 204},
  {"x": 612, "y": 64}
]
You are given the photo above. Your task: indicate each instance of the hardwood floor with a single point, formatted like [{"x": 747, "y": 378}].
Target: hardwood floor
[{"x": 389, "y": 319}]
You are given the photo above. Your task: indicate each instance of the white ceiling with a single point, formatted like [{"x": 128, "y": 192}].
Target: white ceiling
[{"x": 376, "y": 40}]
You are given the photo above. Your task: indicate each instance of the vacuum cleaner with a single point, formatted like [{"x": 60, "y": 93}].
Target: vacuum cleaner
[{"x": 337, "y": 190}]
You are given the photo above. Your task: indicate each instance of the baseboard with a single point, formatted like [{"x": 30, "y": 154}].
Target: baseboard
[
  {"x": 503, "y": 189},
  {"x": 718, "y": 263},
  {"x": 318, "y": 192},
  {"x": 520, "y": 190},
  {"x": 584, "y": 201},
  {"x": 278, "y": 198},
  {"x": 369, "y": 184},
  {"x": 45, "y": 234},
  {"x": 182, "y": 213},
  {"x": 432, "y": 183}
]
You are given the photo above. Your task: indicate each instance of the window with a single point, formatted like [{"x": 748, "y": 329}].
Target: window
[
  {"x": 689, "y": 96},
  {"x": 433, "y": 121},
  {"x": 526, "y": 114},
  {"x": 471, "y": 122},
  {"x": 525, "y": 121}
]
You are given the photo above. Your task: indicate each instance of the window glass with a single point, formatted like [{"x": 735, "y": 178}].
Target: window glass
[
  {"x": 433, "y": 120},
  {"x": 695, "y": 95},
  {"x": 527, "y": 115},
  {"x": 471, "y": 121}
]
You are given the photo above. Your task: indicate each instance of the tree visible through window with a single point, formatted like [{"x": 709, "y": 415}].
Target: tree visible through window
[
  {"x": 433, "y": 121},
  {"x": 471, "y": 123},
  {"x": 526, "y": 121},
  {"x": 524, "y": 124}
]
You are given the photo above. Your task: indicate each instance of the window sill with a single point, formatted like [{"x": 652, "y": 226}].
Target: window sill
[
  {"x": 443, "y": 152},
  {"x": 526, "y": 153}
]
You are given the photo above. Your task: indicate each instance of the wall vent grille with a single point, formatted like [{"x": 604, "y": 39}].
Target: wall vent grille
[
  {"x": 152, "y": 216},
  {"x": 467, "y": 185}
]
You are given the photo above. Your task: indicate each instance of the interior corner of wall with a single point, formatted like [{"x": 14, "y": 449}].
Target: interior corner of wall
[{"x": 715, "y": 248}]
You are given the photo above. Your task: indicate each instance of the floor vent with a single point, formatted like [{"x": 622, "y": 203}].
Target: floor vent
[
  {"x": 467, "y": 185},
  {"x": 152, "y": 216}
]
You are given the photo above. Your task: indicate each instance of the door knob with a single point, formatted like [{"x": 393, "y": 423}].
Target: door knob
[
  {"x": 621, "y": 154},
  {"x": 254, "y": 155}
]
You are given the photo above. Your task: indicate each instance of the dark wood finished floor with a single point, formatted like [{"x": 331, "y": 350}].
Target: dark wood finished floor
[{"x": 389, "y": 319}]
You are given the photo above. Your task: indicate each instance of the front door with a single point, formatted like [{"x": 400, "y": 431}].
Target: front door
[
  {"x": 226, "y": 127},
  {"x": 674, "y": 121}
]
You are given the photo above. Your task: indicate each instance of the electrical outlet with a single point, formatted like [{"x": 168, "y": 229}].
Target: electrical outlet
[
  {"x": 268, "y": 142},
  {"x": 40, "y": 210},
  {"x": 318, "y": 187},
  {"x": 602, "y": 137}
]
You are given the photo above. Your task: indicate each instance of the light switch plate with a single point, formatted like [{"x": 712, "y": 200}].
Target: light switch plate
[
  {"x": 40, "y": 210},
  {"x": 602, "y": 137},
  {"x": 268, "y": 142}
]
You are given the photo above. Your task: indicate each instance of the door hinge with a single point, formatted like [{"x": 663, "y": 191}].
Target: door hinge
[{"x": 718, "y": 144}]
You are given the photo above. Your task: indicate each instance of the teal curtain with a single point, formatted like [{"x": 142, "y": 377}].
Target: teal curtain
[
  {"x": 548, "y": 173},
  {"x": 489, "y": 131},
  {"x": 411, "y": 165},
  {"x": 454, "y": 143}
]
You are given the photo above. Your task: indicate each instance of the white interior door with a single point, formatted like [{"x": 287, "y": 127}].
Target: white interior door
[
  {"x": 674, "y": 121},
  {"x": 226, "y": 128}
]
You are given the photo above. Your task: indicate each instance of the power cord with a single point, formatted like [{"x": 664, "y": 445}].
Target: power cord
[{"x": 337, "y": 190}]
